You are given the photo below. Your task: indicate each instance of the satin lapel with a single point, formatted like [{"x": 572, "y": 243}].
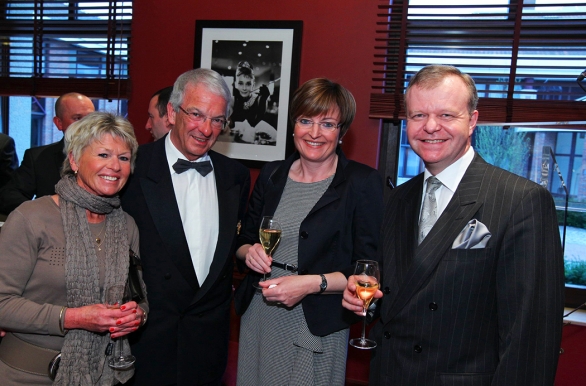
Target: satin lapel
[
  {"x": 160, "y": 197},
  {"x": 228, "y": 202},
  {"x": 464, "y": 204}
]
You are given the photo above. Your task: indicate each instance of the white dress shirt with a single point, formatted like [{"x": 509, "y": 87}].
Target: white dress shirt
[
  {"x": 450, "y": 178},
  {"x": 197, "y": 199}
]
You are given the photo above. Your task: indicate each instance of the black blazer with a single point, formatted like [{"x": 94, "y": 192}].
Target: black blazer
[
  {"x": 36, "y": 176},
  {"x": 8, "y": 158},
  {"x": 490, "y": 316},
  {"x": 342, "y": 227},
  {"x": 185, "y": 340}
]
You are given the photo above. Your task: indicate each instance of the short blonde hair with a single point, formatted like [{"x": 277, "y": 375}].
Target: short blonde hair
[
  {"x": 92, "y": 128},
  {"x": 431, "y": 76}
]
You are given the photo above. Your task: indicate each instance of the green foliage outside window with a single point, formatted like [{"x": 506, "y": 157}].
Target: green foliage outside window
[
  {"x": 575, "y": 272},
  {"x": 507, "y": 149}
]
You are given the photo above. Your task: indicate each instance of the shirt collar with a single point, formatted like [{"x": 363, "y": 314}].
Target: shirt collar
[
  {"x": 451, "y": 176},
  {"x": 173, "y": 154}
]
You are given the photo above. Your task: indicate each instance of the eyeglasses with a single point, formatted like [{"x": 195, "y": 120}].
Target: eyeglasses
[
  {"x": 308, "y": 124},
  {"x": 216, "y": 123}
]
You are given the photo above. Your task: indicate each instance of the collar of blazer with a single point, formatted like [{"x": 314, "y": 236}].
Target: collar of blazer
[{"x": 278, "y": 179}]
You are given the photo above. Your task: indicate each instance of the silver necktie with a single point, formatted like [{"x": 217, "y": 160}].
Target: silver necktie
[{"x": 429, "y": 210}]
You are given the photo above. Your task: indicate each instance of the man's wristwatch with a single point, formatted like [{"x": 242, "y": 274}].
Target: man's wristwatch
[{"x": 324, "y": 284}]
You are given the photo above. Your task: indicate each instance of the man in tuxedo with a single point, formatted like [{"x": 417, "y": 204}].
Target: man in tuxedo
[
  {"x": 475, "y": 298},
  {"x": 40, "y": 169},
  {"x": 158, "y": 122},
  {"x": 188, "y": 216}
]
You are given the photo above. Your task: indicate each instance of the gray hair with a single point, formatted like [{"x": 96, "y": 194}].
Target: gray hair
[
  {"x": 92, "y": 128},
  {"x": 208, "y": 78}
]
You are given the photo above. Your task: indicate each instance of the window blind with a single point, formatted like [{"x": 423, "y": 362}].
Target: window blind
[
  {"x": 51, "y": 47},
  {"x": 524, "y": 55}
]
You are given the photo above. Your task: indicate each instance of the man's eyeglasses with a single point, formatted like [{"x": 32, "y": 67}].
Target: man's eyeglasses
[
  {"x": 216, "y": 123},
  {"x": 308, "y": 124}
]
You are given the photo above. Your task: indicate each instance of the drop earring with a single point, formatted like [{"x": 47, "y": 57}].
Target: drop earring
[{"x": 339, "y": 142}]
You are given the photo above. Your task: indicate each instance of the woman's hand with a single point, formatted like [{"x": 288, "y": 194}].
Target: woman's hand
[
  {"x": 257, "y": 260},
  {"x": 2, "y": 333},
  {"x": 99, "y": 318},
  {"x": 351, "y": 302},
  {"x": 290, "y": 290}
]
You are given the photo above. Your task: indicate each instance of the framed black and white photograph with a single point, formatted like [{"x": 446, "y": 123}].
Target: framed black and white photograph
[{"x": 259, "y": 61}]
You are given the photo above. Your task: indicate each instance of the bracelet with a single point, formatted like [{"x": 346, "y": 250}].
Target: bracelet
[
  {"x": 62, "y": 320},
  {"x": 144, "y": 317}
]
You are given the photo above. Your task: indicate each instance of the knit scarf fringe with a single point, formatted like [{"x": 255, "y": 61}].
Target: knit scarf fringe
[{"x": 83, "y": 359}]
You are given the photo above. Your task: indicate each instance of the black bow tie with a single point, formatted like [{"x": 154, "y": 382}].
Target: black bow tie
[{"x": 203, "y": 168}]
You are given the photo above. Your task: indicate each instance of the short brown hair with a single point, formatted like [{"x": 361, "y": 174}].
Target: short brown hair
[{"x": 319, "y": 96}]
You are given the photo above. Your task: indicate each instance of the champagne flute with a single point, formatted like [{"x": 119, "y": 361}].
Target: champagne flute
[
  {"x": 366, "y": 285},
  {"x": 117, "y": 295},
  {"x": 270, "y": 235}
]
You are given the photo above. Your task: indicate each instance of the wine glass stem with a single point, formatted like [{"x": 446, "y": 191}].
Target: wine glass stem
[
  {"x": 120, "y": 347},
  {"x": 264, "y": 275},
  {"x": 364, "y": 327}
]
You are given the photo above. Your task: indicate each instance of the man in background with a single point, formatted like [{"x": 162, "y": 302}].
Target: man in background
[
  {"x": 473, "y": 273},
  {"x": 187, "y": 201},
  {"x": 158, "y": 122},
  {"x": 40, "y": 167},
  {"x": 8, "y": 158}
]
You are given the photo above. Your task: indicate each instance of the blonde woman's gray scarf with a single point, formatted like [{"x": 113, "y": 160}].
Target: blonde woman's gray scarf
[{"x": 83, "y": 361}]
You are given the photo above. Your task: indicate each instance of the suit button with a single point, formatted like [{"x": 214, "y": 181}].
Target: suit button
[
  {"x": 304, "y": 235},
  {"x": 433, "y": 306},
  {"x": 417, "y": 348},
  {"x": 387, "y": 335},
  {"x": 387, "y": 291},
  {"x": 167, "y": 276}
]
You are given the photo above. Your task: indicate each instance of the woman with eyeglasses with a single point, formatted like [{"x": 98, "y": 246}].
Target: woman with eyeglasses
[{"x": 294, "y": 331}]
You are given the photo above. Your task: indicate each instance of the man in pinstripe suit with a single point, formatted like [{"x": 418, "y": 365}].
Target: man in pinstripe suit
[{"x": 479, "y": 300}]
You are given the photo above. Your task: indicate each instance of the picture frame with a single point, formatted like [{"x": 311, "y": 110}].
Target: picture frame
[{"x": 260, "y": 62}]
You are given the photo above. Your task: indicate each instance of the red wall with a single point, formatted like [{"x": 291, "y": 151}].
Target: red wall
[{"x": 338, "y": 40}]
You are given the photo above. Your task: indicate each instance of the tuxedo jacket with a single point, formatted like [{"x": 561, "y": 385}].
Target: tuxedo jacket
[
  {"x": 8, "y": 158},
  {"x": 490, "y": 316},
  {"x": 185, "y": 340},
  {"x": 342, "y": 227},
  {"x": 36, "y": 176}
]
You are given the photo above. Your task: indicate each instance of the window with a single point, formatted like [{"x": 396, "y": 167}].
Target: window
[
  {"x": 525, "y": 58},
  {"x": 53, "y": 47}
]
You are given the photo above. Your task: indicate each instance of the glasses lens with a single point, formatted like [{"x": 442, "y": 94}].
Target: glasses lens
[
  {"x": 217, "y": 123},
  {"x": 328, "y": 126}
]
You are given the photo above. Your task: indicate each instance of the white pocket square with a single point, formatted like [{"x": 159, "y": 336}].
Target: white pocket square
[{"x": 475, "y": 235}]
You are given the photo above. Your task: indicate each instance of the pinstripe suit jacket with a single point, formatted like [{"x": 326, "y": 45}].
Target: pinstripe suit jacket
[{"x": 489, "y": 316}]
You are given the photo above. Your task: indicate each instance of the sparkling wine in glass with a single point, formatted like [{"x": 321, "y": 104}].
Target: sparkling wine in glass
[
  {"x": 270, "y": 235},
  {"x": 367, "y": 282},
  {"x": 117, "y": 295}
]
